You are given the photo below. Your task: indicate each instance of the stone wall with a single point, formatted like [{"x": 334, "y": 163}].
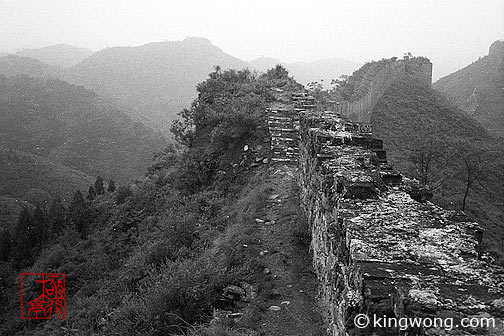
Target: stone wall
[{"x": 379, "y": 247}]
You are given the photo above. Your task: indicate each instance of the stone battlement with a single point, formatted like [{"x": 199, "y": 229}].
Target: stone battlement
[{"x": 377, "y": 250}]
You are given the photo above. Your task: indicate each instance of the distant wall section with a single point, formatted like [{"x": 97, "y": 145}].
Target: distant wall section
[{"x": 418, "y": 68}]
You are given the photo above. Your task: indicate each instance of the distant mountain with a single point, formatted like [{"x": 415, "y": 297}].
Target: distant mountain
[
  {"x": 262, "y": 64},
  {"x": 156, "y": 80},
  {"x": 322, "y": 71},
  {"x": 62, "y": 55},
  {"x": 74, "y": 127},
  {"x": 478, "y": 89}
]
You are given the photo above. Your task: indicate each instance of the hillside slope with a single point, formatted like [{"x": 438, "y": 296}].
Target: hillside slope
[
  {"x": 13, "y": 65},
  {"x": 36, "y": 179},
  {"x": 74, "y": 127},
  {"x": 478, "y": 89},
  {"x": 62, "y": 55}
]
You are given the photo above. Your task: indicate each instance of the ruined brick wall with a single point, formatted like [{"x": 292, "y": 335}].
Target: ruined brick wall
[
  {"x": 340, "y": 280},
  {"x": 379, "y": 247}
]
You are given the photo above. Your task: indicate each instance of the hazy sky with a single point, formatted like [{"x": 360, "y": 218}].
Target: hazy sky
[{"x": 452, "y": 33}]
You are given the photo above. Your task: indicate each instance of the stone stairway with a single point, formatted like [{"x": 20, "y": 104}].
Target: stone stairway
[{"x": 283, "y": 125}]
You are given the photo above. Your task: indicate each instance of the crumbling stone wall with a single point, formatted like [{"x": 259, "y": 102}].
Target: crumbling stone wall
[{"x": 377, "y": 249}]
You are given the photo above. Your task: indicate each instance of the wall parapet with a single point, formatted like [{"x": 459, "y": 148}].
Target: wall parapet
[{"x": 377, "y": 250}]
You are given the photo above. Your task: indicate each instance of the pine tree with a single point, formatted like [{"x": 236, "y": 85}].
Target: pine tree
[
  {"x": 98, "y": 185},
  {"x": 56, "y": 217},
  {"x": 111, "y": 186},
  {"x": 5, "y": 244},
  {"x": 26, "y": 241},
  {"x": 91, "y": 193},
  {"x": 78, "y": 214},
  {"x": 39, "y": 227},
  {"x": 123, "y": 193}
]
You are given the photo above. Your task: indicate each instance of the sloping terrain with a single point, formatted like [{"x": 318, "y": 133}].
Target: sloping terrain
[
  {"x": 35, "y": 179},
  {"x": 478, "y": 89},
  {"x": 10, "y": 208},
  {"x": 74, "y": 127},
  {"x": 13, "y": 65}
]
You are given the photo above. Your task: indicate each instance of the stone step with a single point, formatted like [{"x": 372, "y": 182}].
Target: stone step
[
  {"x": 281, "y": 122},
  {"x": 283, "y": 126},
  {"x": 292, "y": 156},
  {"x": 284, "y": 133},
  {"x": 271, "y": 117},
  {"x": 283, "y": 160},
  {"x": 284, "y": 149},
  {"x": 285, "y": 154},
  {"x": 283, "y": 139},
  {"x": 278, "y": 135}
]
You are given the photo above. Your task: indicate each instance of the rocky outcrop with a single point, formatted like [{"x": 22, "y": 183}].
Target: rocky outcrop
[{"x": 380, "y": 247}]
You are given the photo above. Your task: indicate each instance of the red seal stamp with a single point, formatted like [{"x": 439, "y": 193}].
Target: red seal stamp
[{"x": 42, "y": 295}]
